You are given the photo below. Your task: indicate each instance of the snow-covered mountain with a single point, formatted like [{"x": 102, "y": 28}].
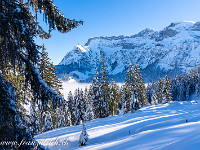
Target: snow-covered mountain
[
  {"x": 173, "y": 50},
  {"x": 160, "y": 127}
]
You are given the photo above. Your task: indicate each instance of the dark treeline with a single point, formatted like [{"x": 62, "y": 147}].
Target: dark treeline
[
  {"x": 131, "y": 96},
  {"x": 182, "y": 86}
]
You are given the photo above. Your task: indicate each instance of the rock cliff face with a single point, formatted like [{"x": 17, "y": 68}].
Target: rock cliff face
[{"x": 173, "y": 50}]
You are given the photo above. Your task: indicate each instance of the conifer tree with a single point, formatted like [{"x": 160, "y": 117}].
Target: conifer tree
[
  {"x": 95, "y": 95},
  {"x": 124, "y": 109},
  {"x": 154, "y": 98},
  {"x": 104, "y": 88},
  {"x": 134, "y": 105},
  {"x": 167, "y": 90},
  {"x": 68, "y": 118},
  {"x": 80, "y": 107},
  {"x": 12, "y": 127},
  {"x": 72, "y": 107},
  {"x": 47, "y": 122},
  {"x": 140, "y": 90},
  {"x": 160, "y": 91},
  {"x": 34, "y": 119},
  {"x": 89, "y": 109},
  {"x": 197, "y": 88},
  {"x": 114, "y": 98},
  {"x": 181, "y": 88},
  {"x": 19, "y": 28},
  {"x": 129, "y": 86},
  {"x": 48, "y": 72},
  {"x": 83, "y": 137}
]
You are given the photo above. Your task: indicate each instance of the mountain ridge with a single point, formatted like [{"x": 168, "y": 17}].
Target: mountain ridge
[{"x": 173, "y": 50}]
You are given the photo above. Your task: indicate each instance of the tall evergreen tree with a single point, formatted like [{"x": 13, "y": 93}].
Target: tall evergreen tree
[
  {"x": 167, "y": 90},
  {"x": 129, "y": 86},
  {"x": 140, "y": 90},
  {"x": 47, "y": 122},
  {"x": 104, "y": 88},
  {"x": 95, "y": 95},
  {"x": 124, "y": 107},
  {"x": 197, "y": 88},
  {"x": 114, "y": 98},
  {"x": 71, "y": 107},
  {"x": 19, "y": 28},
  {"x": 34, "y": 119},
  {"x": 160, "y": 90},
  {"x": 48, "y": 72},
  {"x": 89, "y": 109},
  {"x": 154, "y": 98}
]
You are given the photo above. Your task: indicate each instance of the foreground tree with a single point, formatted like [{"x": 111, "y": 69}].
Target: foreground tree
[
  {"x": 83, "y": 137},
  {"x": 18, "y": 28}
]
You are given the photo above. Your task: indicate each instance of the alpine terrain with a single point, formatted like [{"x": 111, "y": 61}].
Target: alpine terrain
[{"x": 173, "y": 50}]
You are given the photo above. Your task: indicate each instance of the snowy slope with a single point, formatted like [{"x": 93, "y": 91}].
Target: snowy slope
[
  {"x": 173, "y": 50},
  {"x": 153, "y": 127}
]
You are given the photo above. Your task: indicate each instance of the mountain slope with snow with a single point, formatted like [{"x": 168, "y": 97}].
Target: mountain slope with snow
[
  {"x": 173, "y": 50},
  {"x": 162, "y": 127}
]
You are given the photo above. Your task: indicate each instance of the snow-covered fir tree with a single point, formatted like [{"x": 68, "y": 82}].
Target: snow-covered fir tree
[
  {"x": 19, "y": 29},
  {"x": 89, "y": 109},
  {"x": 34, "y": 119},
  {"x": 197, "y": 88},
  {"x": 104, "y": 88},
  {"x": 95, "y": 95},
  {"x": 83, "y": 137},
  {"x": 72, "y": 107},
  {"x": 114, "y": 98},
  {"x": 61, "y": 116},
  {"x": 123, "y": 101},
  {"x": 140, "y": 90},
  {"x": 154, "y": 98},
  {"x": 48, "y": 122},
  {"x": 134, "y": 105},
  {"x": 129, "y": 86},
  {"x": 167, "y": 90},
  {"x": 160, "y": 90}
]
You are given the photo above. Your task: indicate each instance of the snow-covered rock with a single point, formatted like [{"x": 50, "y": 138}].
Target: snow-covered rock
[{"x": 173, "y": 50}]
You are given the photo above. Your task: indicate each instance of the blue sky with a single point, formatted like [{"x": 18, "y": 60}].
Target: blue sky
[{"x": 116, "y": 17}]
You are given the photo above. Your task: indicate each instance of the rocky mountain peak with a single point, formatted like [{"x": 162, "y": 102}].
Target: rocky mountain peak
[{"x": 173, "y": 50}]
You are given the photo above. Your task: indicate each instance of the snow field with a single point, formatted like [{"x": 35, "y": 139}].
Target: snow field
[{"x": 153, "y": 127}]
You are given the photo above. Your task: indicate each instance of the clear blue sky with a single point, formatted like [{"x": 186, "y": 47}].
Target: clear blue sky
[{"x": 116, "y": 17}]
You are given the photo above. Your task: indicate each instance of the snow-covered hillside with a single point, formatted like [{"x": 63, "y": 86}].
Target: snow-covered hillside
[
  {"x": 153, "y": 127},
  {"x": 173, "y": 50}
]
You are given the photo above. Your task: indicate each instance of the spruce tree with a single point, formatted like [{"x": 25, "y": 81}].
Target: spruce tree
[
  {"x": 47, "y": 122},
  {"x": 140, "y": 90},
  {"x": 154, "y": 98},
  {"x": 129, "y": 86},
  {"x": 167, "y": 90},
  {"x": 95, "y": 95},
  {"x": 34, "y": 119},
  {"x": 72, "y": 107},
  {"x": 12, "y": 127},
  {"x": 114, "y": 98},
  {"x": 160, "y": 91},
  {"x": 123, "y": 102},
  {"x": 104, "y": 88},
  {"x": 197, "y": 87},
  {"x": 19, "y": 28},
  {"x": 134, "y": 105},
  {"x": 89, "y": 109},
  {"x": 83, "y": 137}
]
